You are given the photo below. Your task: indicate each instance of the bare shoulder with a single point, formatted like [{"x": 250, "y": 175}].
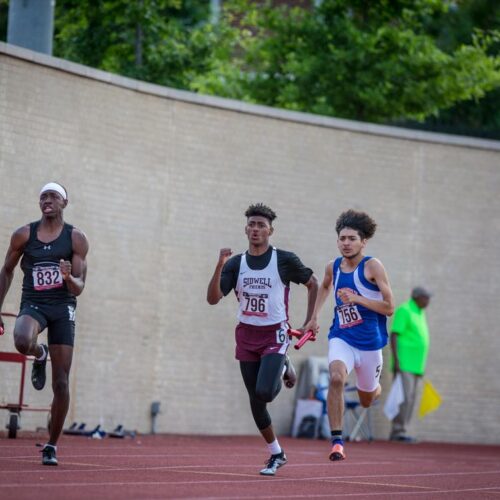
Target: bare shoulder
[
  {"x": 22, "y": 231},
  {"x": 20, "y": 237},
  {"x": 374, "y": 268},
  {"x": 80, "y": 241},
  {"x": 329, "y": 267},
  {"x": 374, "y": 263}
]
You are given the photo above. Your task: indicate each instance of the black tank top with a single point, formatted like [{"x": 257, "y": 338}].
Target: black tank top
[{"x": 40, "y": 263}]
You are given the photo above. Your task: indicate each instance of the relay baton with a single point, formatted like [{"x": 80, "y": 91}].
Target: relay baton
[{"x": 303, "y": 337}]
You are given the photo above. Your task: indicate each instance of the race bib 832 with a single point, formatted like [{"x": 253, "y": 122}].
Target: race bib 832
[{"x": 46, "y": 277}]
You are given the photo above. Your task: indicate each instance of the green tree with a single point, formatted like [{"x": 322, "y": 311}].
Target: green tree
[
  {"x": 160, "y": 41},
  {"x": 411, "y": 62},
  {"x": 373, "y": 61},
  {"x": 472, "y": 117},
  {"x": 4, "y": 9}
]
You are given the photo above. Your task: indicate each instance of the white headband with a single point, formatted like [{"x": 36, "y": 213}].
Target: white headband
[{"x": 53, "y": 186}]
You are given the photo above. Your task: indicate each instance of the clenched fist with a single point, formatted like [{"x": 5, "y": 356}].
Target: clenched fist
[
  {"x": 224, "y": 255},
  {"x": 65, "y": 268}
]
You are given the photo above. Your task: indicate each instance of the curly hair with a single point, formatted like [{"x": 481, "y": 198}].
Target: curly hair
[
  {"x": 359, "y": 221},
  {"x": 262, "y": 210}
]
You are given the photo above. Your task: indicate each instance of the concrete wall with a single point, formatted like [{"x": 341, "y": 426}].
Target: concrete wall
[{"x": 159, "y": 181}]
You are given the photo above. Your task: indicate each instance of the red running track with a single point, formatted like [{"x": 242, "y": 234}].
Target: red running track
[{"x": 165, "y": 466}]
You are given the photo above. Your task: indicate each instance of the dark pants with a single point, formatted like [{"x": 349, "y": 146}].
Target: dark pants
[
  {"x": 263, "y": 382},
  {"x": 402, "y": 419}
]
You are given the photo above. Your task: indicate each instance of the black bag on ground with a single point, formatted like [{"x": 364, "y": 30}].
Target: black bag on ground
[{"x": 307, "y": 427}]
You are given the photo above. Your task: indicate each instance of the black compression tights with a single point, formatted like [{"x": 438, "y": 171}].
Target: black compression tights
[{"x": 263, "y": 382}]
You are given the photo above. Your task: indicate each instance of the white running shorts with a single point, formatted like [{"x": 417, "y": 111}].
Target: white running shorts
[{"x": 367, "y": 364}]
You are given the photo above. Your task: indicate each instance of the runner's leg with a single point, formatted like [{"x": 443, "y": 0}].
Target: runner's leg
[
  {"x": 26, "y": 330},
  {"x": 263, "y": 382},
  {"x": 341, "y": 362},
  {"x": 61, "y": 356},
  {"x": 269, "y": 378},
  {"x": 250, "y": 372},
  {"x": 368, "y": 376}
]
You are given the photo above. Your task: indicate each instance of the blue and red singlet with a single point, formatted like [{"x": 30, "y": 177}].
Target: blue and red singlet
[{"x": 357, "y": 325}]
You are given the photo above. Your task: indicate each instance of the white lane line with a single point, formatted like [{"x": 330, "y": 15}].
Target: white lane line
[
  {"x": 110, "y": 468},
  {"x": 389, "y": 485},
  {"x": 257, "y": 479},
  {"x": 342, "y": 495}
]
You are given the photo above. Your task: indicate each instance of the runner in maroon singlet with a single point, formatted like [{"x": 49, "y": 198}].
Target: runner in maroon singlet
[{"x": 261, "y": 278}]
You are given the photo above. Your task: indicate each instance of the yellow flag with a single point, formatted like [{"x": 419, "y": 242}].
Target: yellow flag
[{"x": 431, "y": 400}]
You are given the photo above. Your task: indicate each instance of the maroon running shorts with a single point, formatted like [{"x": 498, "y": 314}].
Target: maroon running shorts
[{"x": 253, "y": 342}]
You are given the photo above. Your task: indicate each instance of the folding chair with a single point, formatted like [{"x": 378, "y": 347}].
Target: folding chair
[{"x": 357, "y": 420}]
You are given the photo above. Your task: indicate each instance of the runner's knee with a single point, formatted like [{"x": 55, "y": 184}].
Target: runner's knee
[
  {"x": 366, "y": 399},
  {"x": 23, "y": 343},
  {"x": 337, "y": 381},
  {"x": 265, "y": 394},
  {"x": 25, "y": 331},
  {"x": 60, "y": 386},
  {"x": 260, "y": 414},
  {"x": 268, "y": 383}
]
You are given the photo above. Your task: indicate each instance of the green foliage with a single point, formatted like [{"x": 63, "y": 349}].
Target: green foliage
[
  {"x": 161, "y": 41},
  {"x": 387, "y": 61},
  {"x": 371, "y": 61},
  {"x": 4, "y": 8},
  {"x": 469, "y": 117}
]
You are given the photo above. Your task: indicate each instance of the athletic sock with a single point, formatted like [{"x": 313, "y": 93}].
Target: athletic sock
[
  {"x": 44, "y": 355},
  {"x": 51, "y": 445},
  {"x": 337, "y": 437},
  {"x": 274, "y": 447}
]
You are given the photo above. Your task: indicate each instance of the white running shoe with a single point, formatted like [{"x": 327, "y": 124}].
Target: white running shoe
[{"x": 273, "y": 464}]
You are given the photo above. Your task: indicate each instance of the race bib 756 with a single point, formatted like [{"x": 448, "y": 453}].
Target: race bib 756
[{"x": 349, "y": 315}]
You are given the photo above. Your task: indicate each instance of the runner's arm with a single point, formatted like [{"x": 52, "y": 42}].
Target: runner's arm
[
  {"x": 323, "y": 292},
  {"x": 18, "y": 241},
  {"x": 312, "y": 293},
  {"x": 374, "y": 272},
  {"x": 291, "y": 269},
  {"x": 214, "y": 292},
  {"x": 75, "y": 272},
  {"x": 394, "y": 350}
]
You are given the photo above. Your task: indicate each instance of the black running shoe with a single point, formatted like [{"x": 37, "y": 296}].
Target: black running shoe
[
  {"x": 48, "y": 455},
  {"x": 38, "y": 371},
  {"x": 273, "y": 464}
]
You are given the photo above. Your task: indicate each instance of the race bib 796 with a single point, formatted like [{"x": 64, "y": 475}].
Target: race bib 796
[{"x": 255, "y": 304}]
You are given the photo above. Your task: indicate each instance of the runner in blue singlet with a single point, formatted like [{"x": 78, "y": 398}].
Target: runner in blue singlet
[{"x": 363, "y": 300}]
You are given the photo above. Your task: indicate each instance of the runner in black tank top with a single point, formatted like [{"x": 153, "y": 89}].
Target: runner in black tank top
[
  {"x": 54, "y": 264},
  {"x": 261, "y": 278},
  {"x": 43, "y": 281}
]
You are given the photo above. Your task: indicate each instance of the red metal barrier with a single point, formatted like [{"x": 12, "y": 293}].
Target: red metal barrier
[{"x": 16, "y": 408}]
